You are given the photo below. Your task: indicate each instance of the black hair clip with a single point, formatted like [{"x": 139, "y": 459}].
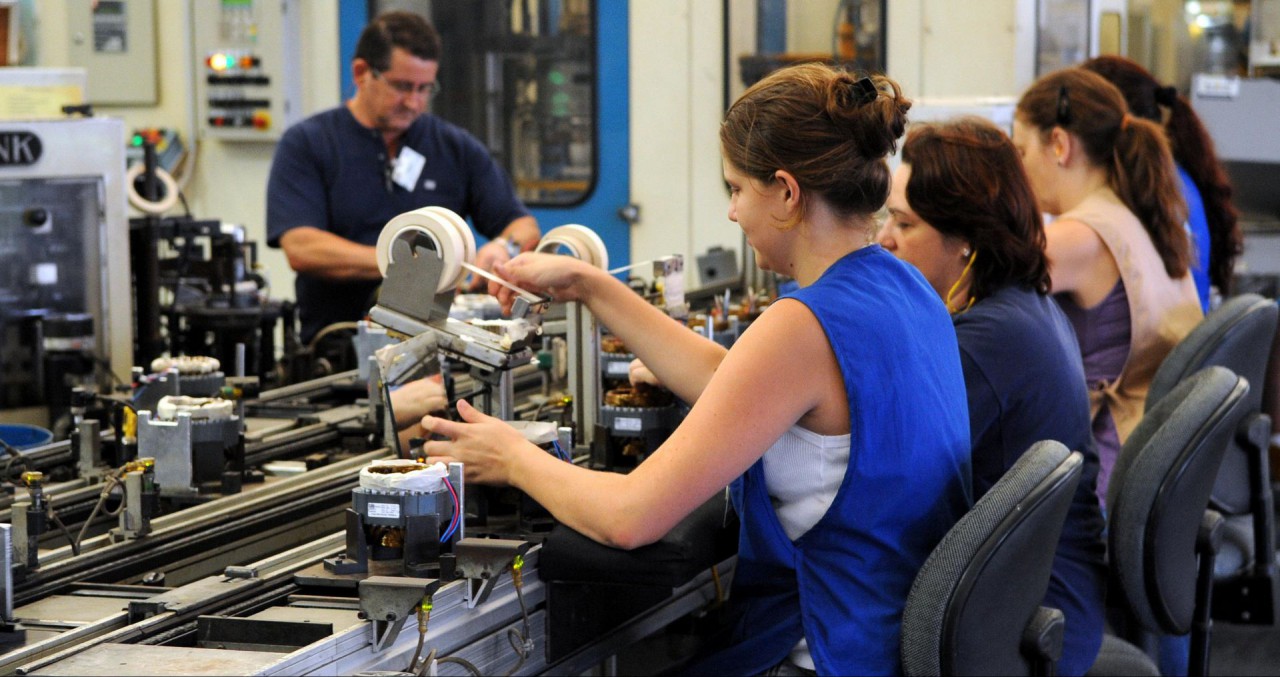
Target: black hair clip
[
  {"x": 864, "y": 92},
  {"x": 1167, "y": 96},
  {"x": 1064, "y": 107}
]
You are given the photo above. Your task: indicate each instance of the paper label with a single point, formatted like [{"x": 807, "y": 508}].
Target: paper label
[
  {"x": 627, "y": 423},
  {"x": 388, "y": 510},
  {"x": 408, "y": 168}
]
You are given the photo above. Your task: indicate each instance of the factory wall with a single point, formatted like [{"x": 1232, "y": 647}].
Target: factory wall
[{"x": 678, "y": 91}]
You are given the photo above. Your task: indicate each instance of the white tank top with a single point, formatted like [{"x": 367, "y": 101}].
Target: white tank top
[{"x": 803, "y": 471}]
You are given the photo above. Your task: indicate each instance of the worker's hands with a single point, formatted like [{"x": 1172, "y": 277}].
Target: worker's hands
[
  {"x": 639, "y": 373},
  {"x": 486, "y": 446},
  {"x": 560, "y": 277},
  {"x": 495, "y": 252},
  {"x": 415, "y": 399}
]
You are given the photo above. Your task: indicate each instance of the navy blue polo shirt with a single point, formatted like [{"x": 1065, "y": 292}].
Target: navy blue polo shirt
[
  {"x": 329, "y": 172},
  {"x": 1025, "y": 383}
]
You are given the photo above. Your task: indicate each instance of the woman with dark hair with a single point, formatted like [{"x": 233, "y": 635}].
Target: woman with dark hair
[
  {"x": 961, "y": 210},
  {"x": 1212, "y": 219},
  {"x": 1118, "y": 250},
  {"x": 837, "y": 419}
]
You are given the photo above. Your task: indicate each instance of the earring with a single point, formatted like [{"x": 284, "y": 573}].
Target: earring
[{"x": 964, "y": 253}]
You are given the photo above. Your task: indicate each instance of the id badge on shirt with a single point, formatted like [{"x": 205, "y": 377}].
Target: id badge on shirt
[{"x": 408, "y": 168}]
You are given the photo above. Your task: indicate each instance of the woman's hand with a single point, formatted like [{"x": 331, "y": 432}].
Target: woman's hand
[
  {"x": 415, "y": 399},
  {"x": 560, "y": 277},
  {"x": 485, "y": 445},
  {"x": 641, "y": 374}
]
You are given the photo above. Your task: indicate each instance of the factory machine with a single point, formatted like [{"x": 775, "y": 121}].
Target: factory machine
[
  {"x": 285, "y": 532},
  {"x": 64, "y": 273}
]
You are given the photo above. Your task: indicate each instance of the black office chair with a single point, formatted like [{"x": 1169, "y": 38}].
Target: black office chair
[
  {"x": 1162, "y": 539},
  {"x": 974, "y": 608},
  {"x": 1238, "y": 336}
]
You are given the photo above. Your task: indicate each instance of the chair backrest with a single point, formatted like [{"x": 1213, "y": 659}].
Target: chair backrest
[
  {"x": 1159, "y": 491},
  {"x": 1238, "y": 336},
  {"x": 975, "y": 595}
]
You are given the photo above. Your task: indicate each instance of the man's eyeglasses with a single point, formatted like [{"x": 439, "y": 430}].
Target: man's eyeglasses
[{"x": 427, "y": 89}]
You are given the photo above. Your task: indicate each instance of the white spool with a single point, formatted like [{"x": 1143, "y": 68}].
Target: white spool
[
  {"x": 144, "y": 205},
  {"x": 581, "y": 241},
  {"x": 464, "y": 231},
  {"x": 449, "y": 235}
]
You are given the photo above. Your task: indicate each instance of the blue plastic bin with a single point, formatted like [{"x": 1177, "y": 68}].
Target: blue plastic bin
[{"x": 22, "y": 436}]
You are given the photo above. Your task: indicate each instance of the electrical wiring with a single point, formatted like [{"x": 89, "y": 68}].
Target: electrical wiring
[
  {"x": 520, "y": 641},
  {"x": 75, "y": 546},
  {"x": 426, "y": 664},
  {"x": 102, "y": 498},
  {"x": 14, "y": 455},
  {"x": 560, "y": 452},
  {"x": 457, "y": 512},
  {"x": 466, "y": 664}
]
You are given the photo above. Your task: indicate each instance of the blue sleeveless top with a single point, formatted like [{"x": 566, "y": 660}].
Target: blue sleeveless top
[
  {"x": 1198, "y": 230},
  {"x": 843, "y": 584}
]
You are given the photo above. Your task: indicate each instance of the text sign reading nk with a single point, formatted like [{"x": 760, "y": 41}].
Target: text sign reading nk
[{"x": 19, "y": 148}]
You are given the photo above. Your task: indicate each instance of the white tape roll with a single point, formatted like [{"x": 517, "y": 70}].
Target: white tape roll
[
  {"x": 144, "y": 205},
  {"x": 449, "y": 234},
  {"x": 581, "y": 241},
  {"x": 464, "y": 231}
]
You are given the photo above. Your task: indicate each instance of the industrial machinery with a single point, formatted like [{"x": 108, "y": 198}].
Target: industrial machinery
[
  {"x": 136, "y": 552},
  {"x": 63, "y": 265}
]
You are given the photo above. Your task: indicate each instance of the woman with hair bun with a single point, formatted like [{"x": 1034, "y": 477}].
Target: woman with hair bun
[
  {"x": 838, "y": 418},
  {"x": 1118, "y": 250},
  {"x": 1212, "y": 219},
  {"x": 961, "y": 210}
]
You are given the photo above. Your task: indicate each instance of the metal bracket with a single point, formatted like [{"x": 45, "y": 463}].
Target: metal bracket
[
  {"x": 11, "y": 632},
  {"x": 388, "y": 601},
  {"x": 482, "y": 560}
]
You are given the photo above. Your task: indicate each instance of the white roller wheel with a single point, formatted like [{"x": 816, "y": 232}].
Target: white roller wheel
[
  {"x": 451, "y": 243},
  {"x": 142, "y": 204},
  {"x": 581, "y": 241}
]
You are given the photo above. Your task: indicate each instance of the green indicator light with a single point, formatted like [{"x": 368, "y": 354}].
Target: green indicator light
[{"x": 556, "y": 78}]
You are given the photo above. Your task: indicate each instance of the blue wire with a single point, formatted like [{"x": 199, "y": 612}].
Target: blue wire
[
  {"x": 457, "y": 509},
  {"x": 560, "y": 452}
]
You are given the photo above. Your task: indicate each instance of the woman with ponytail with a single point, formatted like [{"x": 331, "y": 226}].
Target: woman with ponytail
[
  {"x": 1212, "y": 219},
  {"x": 838, "y": 419},
  {"x": 1118, "y": 249}
]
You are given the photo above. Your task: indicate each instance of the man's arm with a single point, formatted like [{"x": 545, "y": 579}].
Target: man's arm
[
  {"x": 524, "y": 231},
  {"x": 323, "y": 254}
]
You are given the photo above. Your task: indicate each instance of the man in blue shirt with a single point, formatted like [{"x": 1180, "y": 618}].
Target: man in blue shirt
[{"x": 340, "y": 175}]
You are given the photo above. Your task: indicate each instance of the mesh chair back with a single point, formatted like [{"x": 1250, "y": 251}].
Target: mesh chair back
[
  {"x": 985, "y": 580},
  {"x": 1159, "y": 491},
  {"x": 1237, "y": 336}
]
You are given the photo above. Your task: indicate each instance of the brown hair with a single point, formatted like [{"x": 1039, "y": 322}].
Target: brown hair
[
  {"x": 967, "y": 181},
  {"x": 1133, "y": 151},
  {"x": 1192, "y": 149},
  {"x": 828, "y": 128},
  {"x": 403, "y": 29}
]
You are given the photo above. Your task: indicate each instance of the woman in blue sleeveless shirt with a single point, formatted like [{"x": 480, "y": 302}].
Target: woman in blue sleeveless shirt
[
  {"x": 962, "y": 211},
  {"x": 838, "y": 417}
]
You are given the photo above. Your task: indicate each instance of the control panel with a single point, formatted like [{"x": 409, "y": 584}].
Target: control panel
[{"x": 248, "y": 82}]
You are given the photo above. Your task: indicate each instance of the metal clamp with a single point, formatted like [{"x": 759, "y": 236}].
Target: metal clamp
[
  {"x": 482, "y": 560},
  {"x": 388, "y": 601}
]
